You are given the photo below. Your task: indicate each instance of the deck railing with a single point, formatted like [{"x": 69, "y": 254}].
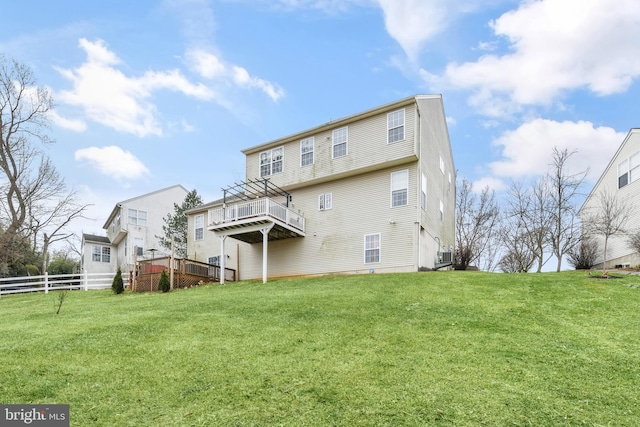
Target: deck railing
[{"x": 255, "y": 208}]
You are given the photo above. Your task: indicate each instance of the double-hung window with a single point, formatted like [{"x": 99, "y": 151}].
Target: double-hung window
[
  {"x": 198, "y": 225},
  {"x": 340, "y": 137},
  {"x": 138, "y": 243},
  {"x": 399, "y": 188},
  {"x": 325, "y": 201},
  {"x": 306, "y": 151},
  {"x": 371, "y": 248},
  {"x": 634, "y": 167},
  {"x": 137, "y": 217},
  {"x": 395, "y": 126},
  {"x": 423, "y": 192},
  {"x": 214, "y": 260},
  {"x": 271, "y": 161},
  {"x": 101, "y": 254}
]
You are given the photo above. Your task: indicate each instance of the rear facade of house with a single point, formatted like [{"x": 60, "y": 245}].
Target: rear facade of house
[
  {"x": 622, "y": 178},
  {"x": 372, "y": 192}
]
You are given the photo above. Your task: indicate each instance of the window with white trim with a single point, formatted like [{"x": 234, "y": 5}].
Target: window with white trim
[
  {"x": 441, "y": 211},
  {"x": 325, "y": 201},
  {"x": 441, "y": 165},
  {"x": 423, "y": 192},
  {"x": 339, "y": 141},
  {"x": 306, "y": 151},
  {"x": 137, "y": 217},
  {"x": 399, "y": 188},
  {"x": 138, "y": 243},
  {"x": 629, "y": 170},
  {"x": 198, "y": 227},
  {"x": 101, "y": 254},
  {"x": 271, "y": 161},
  {"x": 395, "y": 126},
  {"x": 449, "y": 182},
  {"x": 214, "y": 260},
  {"x": 371, "y": 248}
]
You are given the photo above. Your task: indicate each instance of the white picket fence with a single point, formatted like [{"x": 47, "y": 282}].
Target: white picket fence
[{"x": 46, "y": 282}]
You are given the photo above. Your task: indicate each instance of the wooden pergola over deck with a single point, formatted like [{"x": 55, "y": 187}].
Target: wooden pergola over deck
[{"x": 254, "y": 211}]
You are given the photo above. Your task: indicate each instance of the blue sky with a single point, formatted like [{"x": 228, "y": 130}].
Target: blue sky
[{"x": 155, "y": 93}]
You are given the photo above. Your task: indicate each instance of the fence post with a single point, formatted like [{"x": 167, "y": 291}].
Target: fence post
[
  {"x": 46, "y": 282},
  {"x": 85, "y": 278}
]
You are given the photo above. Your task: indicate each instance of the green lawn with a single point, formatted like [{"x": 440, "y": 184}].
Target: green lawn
[{"x": 444, "y": 348}]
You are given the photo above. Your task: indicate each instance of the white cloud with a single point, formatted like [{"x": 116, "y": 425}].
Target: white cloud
[
  {"x": 527, "y": 150},
  {"x": 109, "y": 97},
  {"x": 113, "y": 161},
  {"x": 555, "y": 46}
]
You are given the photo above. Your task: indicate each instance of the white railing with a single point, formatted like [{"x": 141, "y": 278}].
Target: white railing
[
  {"x": 255, "y": 208},
  {"x": 46, "y": 282}
]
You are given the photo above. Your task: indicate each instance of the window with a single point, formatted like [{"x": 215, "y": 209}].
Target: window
[
  {"x": 371, "y": 248},
  {"x": 137, "y": 217},
  {"x": 325, "y": 201},
  {"x": 138, "y": 242},
  {"x": 271, "y": 161},
  {"x": 306, "y": 151},
  {"x": 214, "y": 260},
  {"x": 198, "y": 224},
  {"x": 399, "y": 188},
  {"x": 441, "y": 211},
  {"x": 441, "y": 165},
  {"x": 449, "y": 183},
  {"x": 423, "y": 194},
  {"x": 340, "y": 142},
  {"x": 634, "y": 167},
  {"x": 395, "y": 126},
  {"x": 623, "y": 173},
  {"x": 101, "y": 254}
]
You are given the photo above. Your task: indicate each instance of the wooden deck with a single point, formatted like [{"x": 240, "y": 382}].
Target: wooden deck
[{"x": 186, "y": 273}]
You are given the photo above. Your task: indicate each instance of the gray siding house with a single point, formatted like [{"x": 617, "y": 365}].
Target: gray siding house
[
  {"x": 369, "y": 193},
  {"x": 622, "y": 178},
  {"x": 133, "y": 223}
]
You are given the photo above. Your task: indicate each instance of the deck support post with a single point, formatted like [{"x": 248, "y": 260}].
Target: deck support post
[
  {"x": 222, "y": 258},
  {"x": 265, "y": 247}
]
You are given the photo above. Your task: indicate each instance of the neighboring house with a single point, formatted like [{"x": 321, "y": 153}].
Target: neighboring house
[
  {"x": 622, "y": 177},
  {"x": 372, "y": 192},
  {"x": 133, "y": 223}
]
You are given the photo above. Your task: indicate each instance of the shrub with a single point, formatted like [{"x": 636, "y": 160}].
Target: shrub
[
  {"x": 584, "y": 255},
  {"x": 164, "y": 285},
  {"x": 117, "y": 286}
]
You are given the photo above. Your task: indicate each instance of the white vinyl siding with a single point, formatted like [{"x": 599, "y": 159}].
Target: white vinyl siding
[
  {"x": 137, "y": 217},
  {"x": 306, "y": 151},
  {"x": 399, "y": 188},
  {"x": 199, "y": 227},
  {"x": 441, "y": 165},
  {"x": 395, "y": 126},
  {"x": 441, "y": 211},
  {"x": 340, "y": 138},
  {"x": 325, "y": 201},
  {"x": 271, "y": 161},
  {"x": 372, "y": 248}
]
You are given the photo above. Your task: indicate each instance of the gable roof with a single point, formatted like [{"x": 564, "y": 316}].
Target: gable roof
[
  {"x": 632, "y": 131},
  {"x": 119, "y": 204}
]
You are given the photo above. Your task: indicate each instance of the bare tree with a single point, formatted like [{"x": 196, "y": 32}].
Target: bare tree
[
  {"x": 609, "y": 218},
  {"x": 634, "y": 241},
  {"x": 583, "y": 255},
  {"x": 23, "y": 118},
  {"x": 529, "y": 209},
  {"x": 564, "y": 233},
  {"x": 476, "y": 218}
]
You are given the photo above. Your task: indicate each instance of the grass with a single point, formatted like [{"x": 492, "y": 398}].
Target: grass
[{"x": 441, "y": 349}]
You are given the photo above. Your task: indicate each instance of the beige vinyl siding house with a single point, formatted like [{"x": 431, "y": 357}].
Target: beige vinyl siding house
[
  {"x": 357, "y": 185},
  {"x": 133, "y": 223},
  {"x": 621, "y": 177}
]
